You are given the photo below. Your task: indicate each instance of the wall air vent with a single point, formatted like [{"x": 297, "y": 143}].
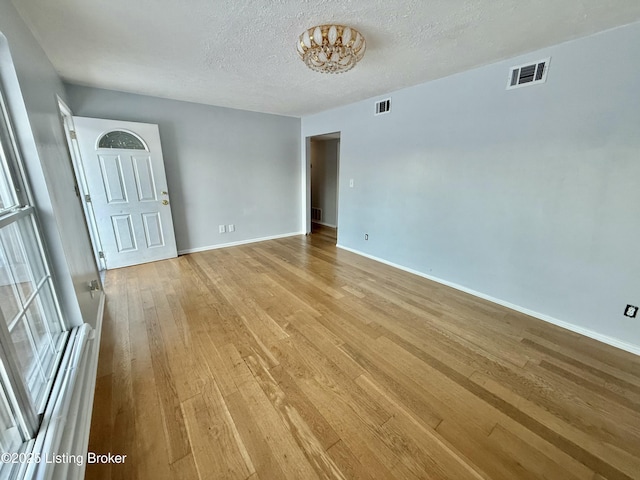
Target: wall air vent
[
  {"x": 528, "y": 74},
  {"x": 383, "y": 106}
]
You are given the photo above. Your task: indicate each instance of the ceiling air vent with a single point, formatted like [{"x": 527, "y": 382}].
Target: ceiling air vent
[
  {"x": 383, "y": 106},
  {"x": 528, "y": 74}
]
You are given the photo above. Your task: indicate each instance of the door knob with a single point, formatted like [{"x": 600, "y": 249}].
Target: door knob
[
  {"x": 165, "y": 193},
  {"x": 165, "y": 202}
]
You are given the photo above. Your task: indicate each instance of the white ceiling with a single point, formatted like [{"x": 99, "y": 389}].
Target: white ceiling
[{"x": 241, "y": 53}]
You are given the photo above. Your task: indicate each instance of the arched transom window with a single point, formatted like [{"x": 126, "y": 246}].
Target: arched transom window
[{"x": 121, "y": 139}]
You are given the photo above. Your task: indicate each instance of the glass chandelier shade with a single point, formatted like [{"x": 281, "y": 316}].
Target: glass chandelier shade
[{"x": 331, "y": 48}]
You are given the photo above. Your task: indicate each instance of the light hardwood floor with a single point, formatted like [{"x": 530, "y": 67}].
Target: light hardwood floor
[
  {"x": 291, "y": 359},
  {"x": 327, "y": 233}
]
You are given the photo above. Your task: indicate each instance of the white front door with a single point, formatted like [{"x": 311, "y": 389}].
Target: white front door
[{"x": 128, "y": 190}]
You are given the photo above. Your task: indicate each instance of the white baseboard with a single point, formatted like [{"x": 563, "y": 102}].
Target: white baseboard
[
  {"x": 614, "y": 342},
  {"x": 234, "y": 244}
]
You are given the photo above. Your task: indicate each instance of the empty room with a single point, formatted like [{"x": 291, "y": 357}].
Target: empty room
[{"x": 320, "y": 240}]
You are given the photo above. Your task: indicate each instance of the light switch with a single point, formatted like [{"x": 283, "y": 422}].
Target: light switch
[{"x": 351, "y": 183}]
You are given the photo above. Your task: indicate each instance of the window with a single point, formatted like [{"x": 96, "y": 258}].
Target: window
[
  {"x": 121, "y": 139},
  {"x": 32, "y": 332},
  {"x": 11, "y": 440},
  {"x": 31, "y": 318}
]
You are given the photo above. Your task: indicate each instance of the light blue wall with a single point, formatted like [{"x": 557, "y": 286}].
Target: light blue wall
[
  {"x": 223, "y": 166},
  {"x": 530, "y": 196},
  {"x": 31, "y": 86}
]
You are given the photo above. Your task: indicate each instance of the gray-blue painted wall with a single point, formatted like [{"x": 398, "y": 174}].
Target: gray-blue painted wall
[
  {"x": 529, "y": 196},
  {"x": 32, "y": 86},
  {"x": 223, "y": 166}
]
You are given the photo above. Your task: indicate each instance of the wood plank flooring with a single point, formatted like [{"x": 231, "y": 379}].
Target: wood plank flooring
[
  {"x": 291, "y": 359},
  {"x": 327, "y": 233}
]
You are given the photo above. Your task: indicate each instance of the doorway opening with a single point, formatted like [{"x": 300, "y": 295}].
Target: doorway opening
[{"x": 324, "y": 168}]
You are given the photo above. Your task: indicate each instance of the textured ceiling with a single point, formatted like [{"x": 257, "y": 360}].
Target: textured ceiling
[{"x": 241, "y": 53}]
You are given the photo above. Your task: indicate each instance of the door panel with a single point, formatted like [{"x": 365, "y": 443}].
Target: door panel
[
  {"x": 112, "y": 178},
  {"x": 153, "y": 230},
  {"x": 143, "y": 171},
  {"x": 128, "y": 190},
  {"x": 123, "y": 232}
]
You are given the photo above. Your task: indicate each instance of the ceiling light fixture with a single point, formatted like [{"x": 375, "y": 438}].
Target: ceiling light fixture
[{"x": 331, "y": 48}]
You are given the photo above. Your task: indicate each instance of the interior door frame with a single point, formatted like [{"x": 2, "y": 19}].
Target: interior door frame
[
  {"x": 306, "y": 217},
  {"x": 306, "y": 212},
  {"x": 338, "y": 146},
  {"x": 82, "y": 188}
]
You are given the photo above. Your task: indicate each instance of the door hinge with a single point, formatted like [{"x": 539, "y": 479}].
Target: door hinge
[
  {"x": 73, "y": 135},
  {"x": 87, "y": 198},
  {"x": 101, "y": 255}
]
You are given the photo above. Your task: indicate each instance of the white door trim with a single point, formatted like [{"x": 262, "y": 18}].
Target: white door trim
[{"x": 81, "y": 181}]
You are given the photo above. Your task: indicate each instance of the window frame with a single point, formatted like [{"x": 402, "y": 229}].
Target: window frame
[
  {"x": 105, "y": 135},
  {"x": 26, "y": 411}
]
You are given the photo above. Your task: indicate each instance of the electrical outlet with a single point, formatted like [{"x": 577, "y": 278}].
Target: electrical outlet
[
  {"x": 232, "y": 228},
  {"x": 631, "y": 311},
  {"x": 221, "y": 229},
  {"x": 366, "y": 236}
]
